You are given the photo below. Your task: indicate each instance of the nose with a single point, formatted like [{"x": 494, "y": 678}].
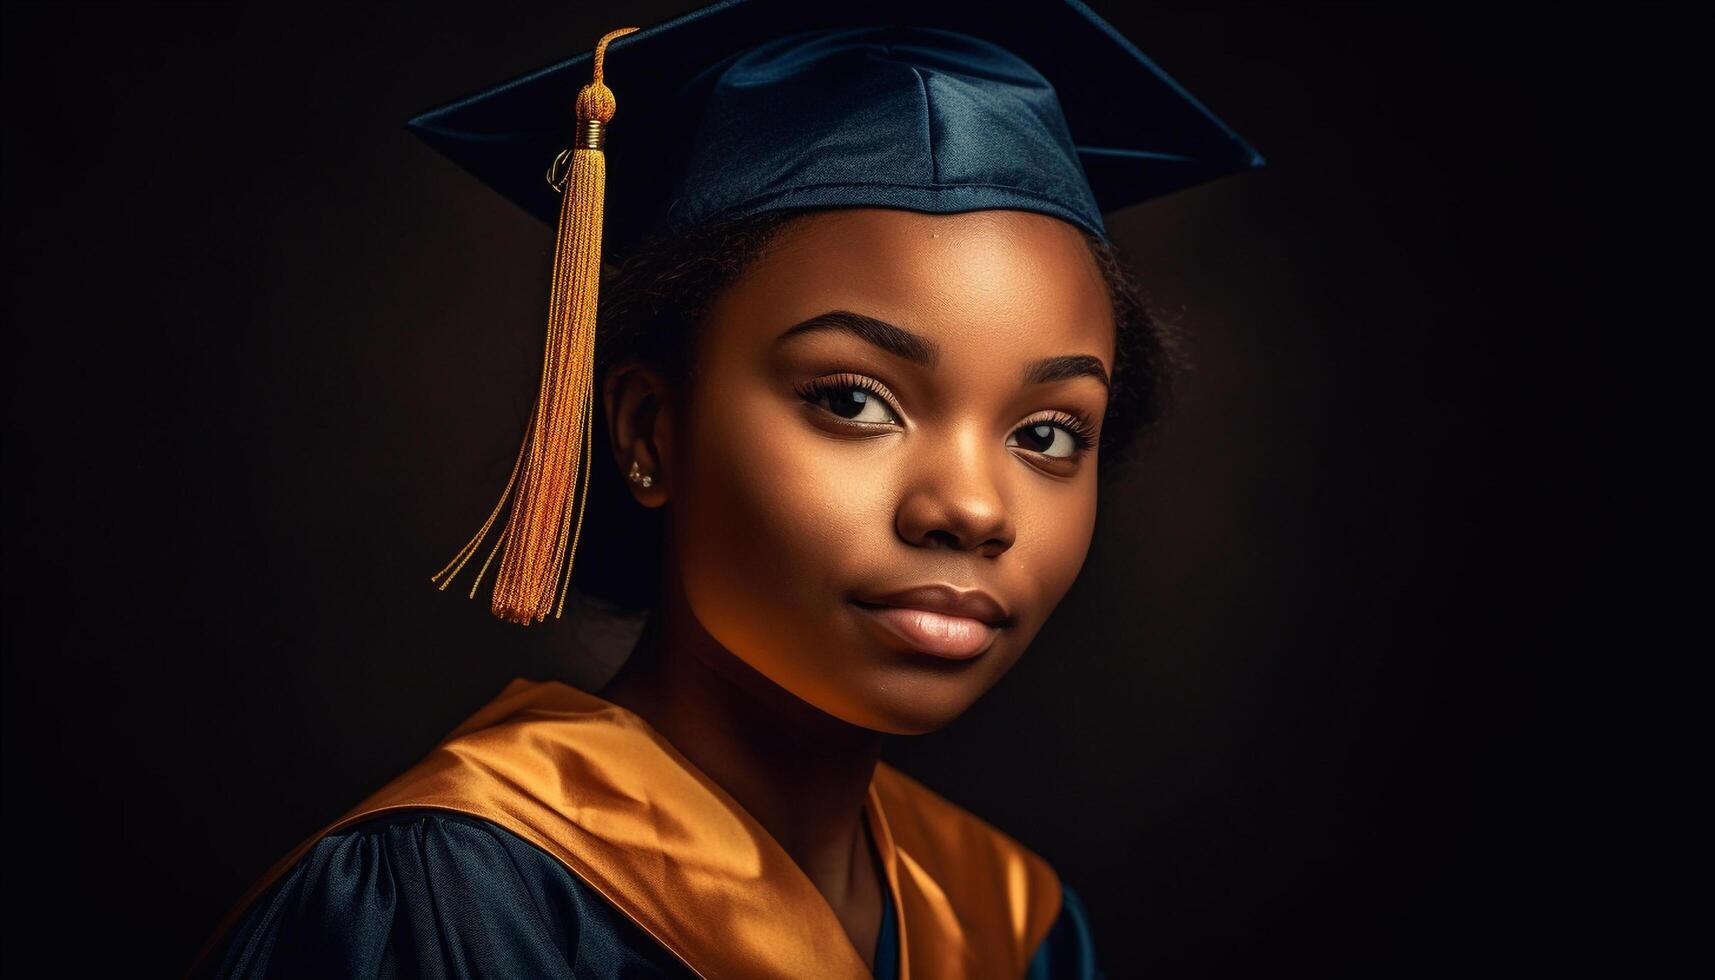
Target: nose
[{"x": 955, "y": 498}]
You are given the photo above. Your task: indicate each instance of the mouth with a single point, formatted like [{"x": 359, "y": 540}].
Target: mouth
[{"x": 936, "y": 620}]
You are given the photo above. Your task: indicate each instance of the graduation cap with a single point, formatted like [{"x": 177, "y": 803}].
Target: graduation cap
[{"x": 747, "y": 106}]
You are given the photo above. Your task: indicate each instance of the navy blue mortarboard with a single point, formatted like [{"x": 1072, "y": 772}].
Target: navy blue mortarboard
[
  {"x": 748, "y": 106},
  {"x": 1039, "y": 105}
]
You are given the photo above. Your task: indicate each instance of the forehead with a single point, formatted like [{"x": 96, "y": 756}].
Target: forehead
[{"x": 982, "y": 283}]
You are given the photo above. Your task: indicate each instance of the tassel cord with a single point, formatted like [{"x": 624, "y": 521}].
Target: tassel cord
[{"x": 550, "y": 477}]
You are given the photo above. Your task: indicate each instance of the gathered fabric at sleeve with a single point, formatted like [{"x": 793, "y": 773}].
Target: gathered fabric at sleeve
[
  {"x": 429, "y": 893},
  {"x": 1068, "y": 951}
]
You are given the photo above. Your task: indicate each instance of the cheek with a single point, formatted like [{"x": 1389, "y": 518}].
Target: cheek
[
  {"x": 1055, "y": 527},
  {"x": 771, "y": 517}
]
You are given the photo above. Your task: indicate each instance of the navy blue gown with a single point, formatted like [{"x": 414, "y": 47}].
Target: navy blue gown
[{"x": 434, "y": 894}]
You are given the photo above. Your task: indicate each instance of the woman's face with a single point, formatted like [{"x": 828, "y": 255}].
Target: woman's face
[{"x": 890, "y": 401}]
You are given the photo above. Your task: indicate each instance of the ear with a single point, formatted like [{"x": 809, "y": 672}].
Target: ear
[{"x": 637, "y": 398}]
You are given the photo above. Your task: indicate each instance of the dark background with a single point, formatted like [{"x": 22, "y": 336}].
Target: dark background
[{"x": 1350, "y": 682}]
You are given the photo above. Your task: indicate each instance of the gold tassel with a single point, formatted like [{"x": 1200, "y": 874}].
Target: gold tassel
[{"x": 540, "y": 537}]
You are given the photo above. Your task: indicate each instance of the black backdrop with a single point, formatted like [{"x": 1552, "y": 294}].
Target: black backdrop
[{"x": 1301, "y": 707}]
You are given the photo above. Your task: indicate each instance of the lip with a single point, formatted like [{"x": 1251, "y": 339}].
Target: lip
[{"x": 938, "y": 620}]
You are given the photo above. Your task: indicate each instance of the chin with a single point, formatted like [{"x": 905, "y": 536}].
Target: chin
[{"x": 910, "y": 700}]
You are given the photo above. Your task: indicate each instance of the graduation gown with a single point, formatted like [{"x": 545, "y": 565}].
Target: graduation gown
[{"x": 556, "y": 834}]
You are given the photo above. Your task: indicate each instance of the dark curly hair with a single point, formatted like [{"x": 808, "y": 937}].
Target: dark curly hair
[{"x": 650, "y": 308}]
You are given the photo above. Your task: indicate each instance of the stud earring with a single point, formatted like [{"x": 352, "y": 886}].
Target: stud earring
[{"x": 638, "y": 476}]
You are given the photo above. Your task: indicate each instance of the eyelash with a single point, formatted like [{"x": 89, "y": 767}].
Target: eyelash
[
  {"x": 1079, "y": 426},
  {"x": 1082, "y": 431},
  {"x": 814, "y": 391}
]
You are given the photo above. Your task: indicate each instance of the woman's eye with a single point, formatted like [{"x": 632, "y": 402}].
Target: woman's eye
[
  {"x": 851, "y": 401},
  {"x": 858, "y": 405},
  {"x": 1047, "y": 438}
]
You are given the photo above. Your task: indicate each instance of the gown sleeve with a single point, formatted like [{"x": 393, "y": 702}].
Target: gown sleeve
[
  {"x": 1067, "y": 952},
  {"x": 434, "y": 894}
]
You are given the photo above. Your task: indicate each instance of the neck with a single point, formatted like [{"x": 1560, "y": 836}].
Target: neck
[{"x": 801, "y": 773}]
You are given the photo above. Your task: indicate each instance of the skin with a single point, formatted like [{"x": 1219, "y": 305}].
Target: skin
[{"x": 757, "y": 665}]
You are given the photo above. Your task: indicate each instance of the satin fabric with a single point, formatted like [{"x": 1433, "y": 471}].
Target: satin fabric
[{"x": 595, "y": 787}]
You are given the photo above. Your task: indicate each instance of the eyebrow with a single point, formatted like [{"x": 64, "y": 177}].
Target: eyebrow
[
  {"x": 921, "y": 350},
  {"x": 1063, "y": 367}
]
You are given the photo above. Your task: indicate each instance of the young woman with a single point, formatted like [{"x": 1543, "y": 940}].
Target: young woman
[{"x": 863, "y": 349}]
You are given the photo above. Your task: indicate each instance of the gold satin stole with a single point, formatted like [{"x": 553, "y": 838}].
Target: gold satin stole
[{"x": 595, "y": 786}]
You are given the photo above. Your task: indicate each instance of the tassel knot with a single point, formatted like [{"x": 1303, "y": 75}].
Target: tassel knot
[{"x": 596, "y": 103}]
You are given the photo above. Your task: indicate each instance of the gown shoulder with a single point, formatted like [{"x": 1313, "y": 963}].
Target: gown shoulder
[
  {"x": 432, "y": 893},
  {"x": 1068, "y": 951}
]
